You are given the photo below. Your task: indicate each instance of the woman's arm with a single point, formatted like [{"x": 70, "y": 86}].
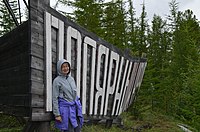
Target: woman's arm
[{"x": 55, "y": 95}]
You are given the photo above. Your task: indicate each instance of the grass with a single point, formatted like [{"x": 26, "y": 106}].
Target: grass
[
  {"x": 9, "y": 124},
  {"x": 147, "y": 122},
  {"x": 151, "y": 122}
]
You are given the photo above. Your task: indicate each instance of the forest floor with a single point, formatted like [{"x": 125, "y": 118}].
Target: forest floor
[{"x": 148, "y": 122}]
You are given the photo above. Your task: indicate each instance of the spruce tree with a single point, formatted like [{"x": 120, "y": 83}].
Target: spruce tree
[
  {"x": 114, "y": 22},
  {"x": 158, "y": 54},
  {"x": 186, "y": 61},
  {"x": 141, "y": 31}
]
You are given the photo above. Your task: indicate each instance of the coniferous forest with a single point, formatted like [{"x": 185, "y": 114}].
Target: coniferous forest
[{"x": 171, "y": 83}]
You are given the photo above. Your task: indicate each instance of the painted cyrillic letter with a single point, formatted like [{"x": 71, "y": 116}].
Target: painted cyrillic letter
[
  {"x": 125, "y": 87},
  {"x": 91, "y": 42},
  {"x": 73, "y": 33},
  {"x": 110, "y": 89},
  {"x": 117, "y": 95},
  {"x": 102, "y": 50}
]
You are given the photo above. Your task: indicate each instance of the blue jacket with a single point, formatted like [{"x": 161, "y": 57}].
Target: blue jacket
[{"x": 70, "y": 111}]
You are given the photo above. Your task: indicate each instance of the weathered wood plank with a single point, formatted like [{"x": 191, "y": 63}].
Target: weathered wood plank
[
  {"x": 37, "y": 26},
  {"x": 37, "y": 63},
  {"x": 15, "y": 100},
  {"x": 39, "y": 114},
  {"x": 37, "y": 75},
  {"x": 37, "y": 38},
  {"x": 14, "y": 72},
  {"x": 37, "y": 87},
  {"x": 14, "y": 110},
  {"x": 11, "y": 62},
  {"x": 48, "y": 68},
  {"x": 37, "y": 101},
  {"x": 37, "y": 51}
]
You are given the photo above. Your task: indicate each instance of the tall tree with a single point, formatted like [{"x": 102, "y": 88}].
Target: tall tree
[
  {"x": 106, "y": 19},
  {"x": 131, "y": 28},
  {"x": 141, "y": 31},
  {"x": 87, "y": 13},
  {"x": 186, "y": 64},
  {"x": 159, "y": 50},
  {"x": 114, "y": 22}
]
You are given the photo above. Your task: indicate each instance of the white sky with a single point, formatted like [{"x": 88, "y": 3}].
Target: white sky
[{"x": 158, "y": 7}]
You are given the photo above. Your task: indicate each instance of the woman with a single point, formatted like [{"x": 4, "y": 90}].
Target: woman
[{"x": 66, "y": 105}]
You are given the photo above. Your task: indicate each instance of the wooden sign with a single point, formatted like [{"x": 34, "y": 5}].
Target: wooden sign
[
  {"x": 103, "y": 76},
  {"x": 107, "y": 78}
]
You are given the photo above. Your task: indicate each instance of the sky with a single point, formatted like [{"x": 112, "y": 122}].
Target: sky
[{"x": 158, "y": 7}]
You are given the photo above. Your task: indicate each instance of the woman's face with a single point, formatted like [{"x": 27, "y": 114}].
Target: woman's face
[{"x": 65, "y": 68}]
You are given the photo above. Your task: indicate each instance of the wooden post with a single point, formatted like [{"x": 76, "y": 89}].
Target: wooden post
[{"x": 109, "y": 123}]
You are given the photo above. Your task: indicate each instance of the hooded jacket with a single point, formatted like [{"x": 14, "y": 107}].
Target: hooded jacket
[{"x": 63, "y": 87}]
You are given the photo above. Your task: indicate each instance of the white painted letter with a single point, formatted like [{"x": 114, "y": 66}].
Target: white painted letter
[
  {"x": 101, "y": 91},
  {"x": 111, "y": 89},
  {"x": 88, "y": 41},
  {"x": 73, "y": 33}
]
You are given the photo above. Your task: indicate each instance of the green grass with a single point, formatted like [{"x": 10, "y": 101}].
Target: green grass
[
  {"x": 14, "y": 129},
  {"x": 9, "y": 124},
  {"x": 154, "y": 122}
]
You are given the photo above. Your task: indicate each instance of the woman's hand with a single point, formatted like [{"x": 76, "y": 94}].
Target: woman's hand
[{"x": 58, "y": 118}]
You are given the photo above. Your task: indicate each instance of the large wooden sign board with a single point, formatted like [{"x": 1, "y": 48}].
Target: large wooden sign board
[{"x": 107, "y": 79}]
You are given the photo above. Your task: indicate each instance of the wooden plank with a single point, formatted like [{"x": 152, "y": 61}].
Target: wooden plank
[
  {"x": 37, "y": 27},
  {"x": 61, "y": 40},
  {"x": 34, "y": 16},
  {"x": 48, "y": 68},
  {"x": 102, "y": 50},
  {"x": 125, "y": 72},
  {"x": 54, "y": 22},
  {"x": 37, "y": 75},
  {"x": 14, "y": 110},
  {"x": 37, "y": 38},
  {"x": 117, "y": 93},
  {"x": 37, "y": 101},
  {"x": 37, "y": 51},
  {"x": 68, "y": 46},
  {"x": 130, "y": 88},
  {"x": 17, "y": 88},
  {"x": 11, "y": 62},
  {"x": 39, "y": 114},
  {"x": 37, "y": 63},
  {"x": 54, "y": 39},
  {"x": 6, "y": 41},
  {"x": 111, "y": 86},
  {"x": 125, "y": 87},
  {"x": 15, "y": 100},
  {"x": 37, "y": 87}
]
